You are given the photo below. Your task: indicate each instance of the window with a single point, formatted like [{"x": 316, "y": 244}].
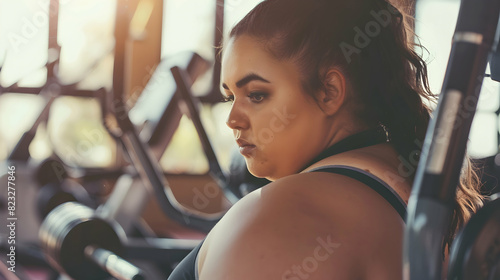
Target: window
[
  {"x": 188, "y": 25},
  {"x": 24, "y": 42},
  {"x": 85, "y": 35}
]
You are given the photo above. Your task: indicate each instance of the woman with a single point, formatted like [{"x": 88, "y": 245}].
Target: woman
[{"x": 327, "y": 104}]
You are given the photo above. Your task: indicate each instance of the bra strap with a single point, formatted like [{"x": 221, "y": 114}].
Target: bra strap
[{"x": 370, "y": 180}]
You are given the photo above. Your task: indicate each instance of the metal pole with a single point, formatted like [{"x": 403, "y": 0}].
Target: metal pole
[{"x": 431, "y": 202}]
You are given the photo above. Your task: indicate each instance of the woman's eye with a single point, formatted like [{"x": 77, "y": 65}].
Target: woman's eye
[{"x": 257, "y": 96}]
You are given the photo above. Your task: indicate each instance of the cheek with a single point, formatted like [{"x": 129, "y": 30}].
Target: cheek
[
  {"x": 282, "y": 152},
  {"x": 274, "y": 126},
  {"x": 294, "y": 140},
  {"x": 282, "y": 132}
]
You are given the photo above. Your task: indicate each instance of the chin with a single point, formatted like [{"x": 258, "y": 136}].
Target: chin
[
  {"x": 260, "y": 172},
  {"x": 257, "y": 171}
]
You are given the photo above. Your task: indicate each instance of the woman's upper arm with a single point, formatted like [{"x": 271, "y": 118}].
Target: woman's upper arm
[{"x": 284, "y": 232}]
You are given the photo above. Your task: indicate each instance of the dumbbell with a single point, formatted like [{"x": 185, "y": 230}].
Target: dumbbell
[
  {"x": 54, "y": 194},
  {"x": 55, "y": 188},
  {"x": 85, "y": 247},
  {"x": 59, "y": 184},
  {"x": 50, "y": 170}
]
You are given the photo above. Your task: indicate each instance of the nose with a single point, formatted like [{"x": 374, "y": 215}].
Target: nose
[{"x": 236, "y": 119}]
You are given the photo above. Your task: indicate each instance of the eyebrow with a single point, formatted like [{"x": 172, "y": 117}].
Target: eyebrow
[{"x": 247, "y": 79}]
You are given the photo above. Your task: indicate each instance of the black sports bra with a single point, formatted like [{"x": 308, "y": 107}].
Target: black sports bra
[{"x": 188, "y": 267}]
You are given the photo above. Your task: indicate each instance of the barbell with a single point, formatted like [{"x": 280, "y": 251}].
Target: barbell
[{"x": 78, "y": 243}]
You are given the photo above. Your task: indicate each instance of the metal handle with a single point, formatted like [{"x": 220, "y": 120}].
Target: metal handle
[{"x": 113, "y": 264}]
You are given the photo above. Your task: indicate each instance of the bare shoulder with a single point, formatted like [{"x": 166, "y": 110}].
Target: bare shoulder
[{"x": 309, "y": 225}]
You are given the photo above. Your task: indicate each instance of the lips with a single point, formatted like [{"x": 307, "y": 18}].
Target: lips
[
  {"x": 243, "y": 142},
  {"x": 246, "y": 148}
]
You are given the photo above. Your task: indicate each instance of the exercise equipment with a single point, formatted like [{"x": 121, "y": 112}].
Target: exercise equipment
[
  {"x": 50, "y": 196},
  {"x": 144, "y": 160},
  {"x": 21, "y": 150},
  {"x": 431, "y": 203},
  {"x": 139, "y": 154},
  {"x": 53, "y": 170},
  {"x": 152, "y": 132},
  {"x": 85, "y": 246},
  {"x": 50, "y": 170},
  {"x": 59, "y": 183},
  {"x": 475, "y": 253},
  {"x": 194, "y": 114}
]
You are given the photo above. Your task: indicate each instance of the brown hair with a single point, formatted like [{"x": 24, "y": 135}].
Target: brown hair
[{"x": 371, "y": 41}]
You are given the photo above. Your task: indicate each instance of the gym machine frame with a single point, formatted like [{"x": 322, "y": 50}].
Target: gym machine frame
[
  {"x": 141, "y": 156},
  {"x": 95, "y": 249},
  {"x": 431, "y": 202}
]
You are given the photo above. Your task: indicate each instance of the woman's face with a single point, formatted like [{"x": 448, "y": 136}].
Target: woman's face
[{"x": 277, "y": 125}]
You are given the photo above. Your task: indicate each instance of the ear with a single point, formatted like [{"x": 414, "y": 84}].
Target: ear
[{"x": 333, "y": 94}]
